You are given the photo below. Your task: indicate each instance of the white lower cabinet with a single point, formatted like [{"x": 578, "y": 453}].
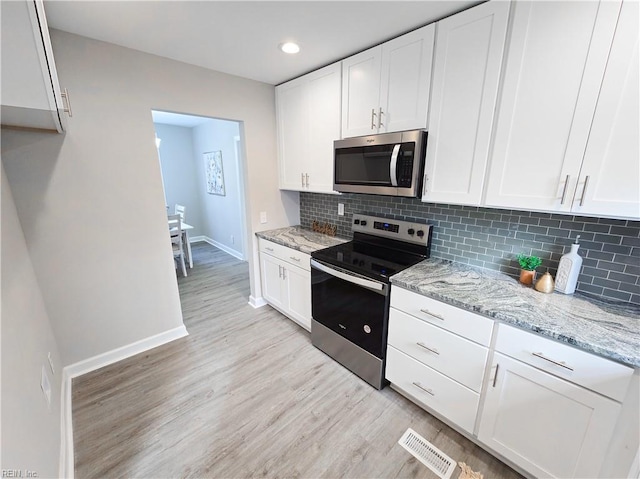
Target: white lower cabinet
[
  {"x": 550, "y": 408},
  {"x": 286, "y": 281},
  {"x": 546, "y": 425},
  {"x": 543, "y": 406},
  {"x": 433, "y": 358}
]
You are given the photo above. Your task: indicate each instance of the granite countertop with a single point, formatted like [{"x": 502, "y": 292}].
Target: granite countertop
[
  {"x": 301, "y": 239},
  {"x": 607, "y": 328}
]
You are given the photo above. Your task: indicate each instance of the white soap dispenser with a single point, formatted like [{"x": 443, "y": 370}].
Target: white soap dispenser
[{"x": 569, "y": 269}]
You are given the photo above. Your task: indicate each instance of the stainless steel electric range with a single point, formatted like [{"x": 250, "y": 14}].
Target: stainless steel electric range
[{"x": 350, "y": 290}]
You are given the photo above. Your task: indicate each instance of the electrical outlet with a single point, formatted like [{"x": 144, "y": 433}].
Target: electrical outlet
[
  {"x": 340, "y": 209},
  {"x": 53, "y": 370},
  {"x": 46, "y": 386},
  {"x": 263, "y": 217}
]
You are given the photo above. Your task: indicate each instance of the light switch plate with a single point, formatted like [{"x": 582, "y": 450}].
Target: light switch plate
[
  {"x": 340, "y": 209},
  {"x": 263, "y": 217}
]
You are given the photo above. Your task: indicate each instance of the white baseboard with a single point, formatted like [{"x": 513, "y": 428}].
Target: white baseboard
[
  {"x": 197, "y": 239},
  {"x": 66, "y": 467},
  {"x": 226, "y": 249},
  {"x": 257, "y": 302}
]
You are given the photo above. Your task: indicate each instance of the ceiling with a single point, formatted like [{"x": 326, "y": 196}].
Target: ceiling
[{"x": 242, "y": 37}]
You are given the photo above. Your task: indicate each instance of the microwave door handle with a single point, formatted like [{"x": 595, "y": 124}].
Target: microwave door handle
[{"x": 393, "y": 166}]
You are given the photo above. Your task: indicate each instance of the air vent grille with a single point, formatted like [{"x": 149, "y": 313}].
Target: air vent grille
[{"x": 428, "y": 454}]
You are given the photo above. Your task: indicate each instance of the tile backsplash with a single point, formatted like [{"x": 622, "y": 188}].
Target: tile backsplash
[{"x": 491, "y": 238}]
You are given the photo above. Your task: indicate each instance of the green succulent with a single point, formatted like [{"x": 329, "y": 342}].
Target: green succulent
[{"x": 529, "y": 263}]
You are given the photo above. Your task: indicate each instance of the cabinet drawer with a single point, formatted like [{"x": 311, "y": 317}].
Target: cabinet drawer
[
  {"x": 464, "y": 323},
  {"x": 433, "y": 390},
  {"x": 453, "y": 356},
  {"x": 585, "y": 369},
  {"x": 284, "y": 253}
]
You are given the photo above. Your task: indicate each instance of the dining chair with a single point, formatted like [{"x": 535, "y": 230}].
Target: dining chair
[
  {"x": 180, "y": 210},
  {"x": 177, "y": 244}
]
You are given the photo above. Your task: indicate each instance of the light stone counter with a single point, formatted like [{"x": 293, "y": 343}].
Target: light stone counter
[
  {"x": 610, "y": 329},
  {"x": 301, "y": 239}
]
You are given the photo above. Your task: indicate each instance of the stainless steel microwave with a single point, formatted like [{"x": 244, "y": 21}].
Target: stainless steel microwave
[{"x": 389, "y": 164}]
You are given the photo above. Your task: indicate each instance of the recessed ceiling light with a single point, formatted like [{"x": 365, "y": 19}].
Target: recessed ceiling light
[{"x": 289, "y": 47}]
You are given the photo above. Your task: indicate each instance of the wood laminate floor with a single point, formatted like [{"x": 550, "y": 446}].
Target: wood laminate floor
[{"x": 247, "y": 395}]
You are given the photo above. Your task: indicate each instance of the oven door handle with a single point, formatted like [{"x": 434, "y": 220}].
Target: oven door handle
[
  {"x": 393, "y": 166},
  {"x": 365, "y": 283}
]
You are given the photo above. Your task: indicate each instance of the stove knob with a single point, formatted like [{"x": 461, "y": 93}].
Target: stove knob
[
  {"x": 411, "y": 231},
  {"x": 420, "y": 233},
  {"x": 357, "y": 222},
  {"x": 363, "y": 223}
]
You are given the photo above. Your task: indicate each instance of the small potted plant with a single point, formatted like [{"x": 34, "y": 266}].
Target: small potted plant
[{"x": 528, "y": 265}]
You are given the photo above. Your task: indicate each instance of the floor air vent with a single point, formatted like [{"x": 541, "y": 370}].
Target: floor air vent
[{"x": 428, "y": 454}]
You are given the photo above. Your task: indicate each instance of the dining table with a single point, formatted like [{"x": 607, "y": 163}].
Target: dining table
[{"x": 185, "y": 237}]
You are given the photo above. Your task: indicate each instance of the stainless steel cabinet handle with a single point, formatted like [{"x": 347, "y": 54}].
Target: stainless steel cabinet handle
[
  {"x": 424, "y": 346},
  {"x": 373, "y": 118},
  {"x": 584, "y": 190},
  {"x": 284, "y": 273},
  {"x": 269, "y": 249},
  {"x": 380, "y": 112},
  {"x": 562, "y": 364},
  {"x": 426, "y": 311},
  {"x": 495, "y": 378},
  {"x": 564, "y": 190},
  {"x": 302, "y": 179},
  {"x": 420, "y": 386},
  {"x": 307, "y": 178},
  {"x": 279, "y": 271},
  {"x": 294, "y": 258},
  {"x": 65, "y": 96}
]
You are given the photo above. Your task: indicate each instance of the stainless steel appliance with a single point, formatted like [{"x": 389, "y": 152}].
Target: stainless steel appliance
[
  {"x": 350, "y": 289},
  {"x": 387, "y": 164}
]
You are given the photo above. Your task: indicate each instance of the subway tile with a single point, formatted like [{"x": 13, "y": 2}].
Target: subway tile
[
  {"x": 615, "y": 294},
  {"x": 625, "y": 231},
  {"x": 610, "y": 221},
  {"x": 600, "y": 273},
  {"x": 572, "y": 225},
  {"x": 633, "y": 269},
  {"x": 619, "y": 258},
  {"x": 597, "y": 228},
  {"x": 560, "y": 233},
  {"x": 600, "y": 255},
  {"x": 606, "y": 283},
  {"x": 630, "y": 288},
  {"x": 609, "y": 239},
  {"x": 614, "y": 248},
  {"x": 589, "y": 288},
  {"x": 630, "y": 241},
  {"x": 635, "y": 298}
]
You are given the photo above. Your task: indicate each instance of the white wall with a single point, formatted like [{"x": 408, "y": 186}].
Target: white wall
[
  {"x": 222, "y": 215},
  {"x": 181, "y": 181},
  {"x": 30, "y": 429},
  {"x": 93, "y": 212}
]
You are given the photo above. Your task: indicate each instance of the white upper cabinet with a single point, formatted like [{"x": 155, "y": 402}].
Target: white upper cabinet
[
  {"x": 30, "y": 90},
  {"x": 609, "y": 182},
  {"x": 386, "y": 88},
  {"x": 555, "y": 62},
  {"x": 466, "y": 74},
  {"x": 308, "y": 116}
]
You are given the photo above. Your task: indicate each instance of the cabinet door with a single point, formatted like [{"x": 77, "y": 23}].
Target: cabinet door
[
  {"x": 272, "y": 284},
  {"x": 298, "y": 295},
  {"x": 324, "y": 126},
  {"x": 360, "y": 93},
  {"x": 30, "y": 91},
  {"x": 466, "y": 74},
  {"x": 612, "y": 158},
  {"x": 548, "y": 426},
  {"x": 406, "y": 81},
  {"x": 293, "y": 132},
  {"x": 556, "y": 56}
]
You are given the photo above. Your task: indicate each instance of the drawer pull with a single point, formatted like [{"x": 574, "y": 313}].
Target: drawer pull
[
  {"x": 420, "y": 386},
  {"x": 562, "y": 364},
  {"x": 495, "y": 378},
  {"x": 426, "y": 311},
  {"x": 268, "y": 249},
  {"x": 294, "y": 258},
  {"x": 424, "y": 346}
]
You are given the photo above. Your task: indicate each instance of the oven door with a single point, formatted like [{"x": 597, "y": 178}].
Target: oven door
[{"x": 351, "y": 305}]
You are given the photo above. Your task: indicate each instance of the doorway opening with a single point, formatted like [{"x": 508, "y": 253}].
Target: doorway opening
[{"x": 202, "y": 167}]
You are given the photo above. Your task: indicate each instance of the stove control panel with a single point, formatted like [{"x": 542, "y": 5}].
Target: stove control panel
[{"x": 417, "y": 233}]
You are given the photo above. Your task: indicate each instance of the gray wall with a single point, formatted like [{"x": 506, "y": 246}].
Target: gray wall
[
  {"x": 222, "y": 215},
  {"x": 91, "y": 203},
  {"x": 30, "y": 429},
  {"x": 180, "y": 173},
  {"x": 491, "y": 238}
]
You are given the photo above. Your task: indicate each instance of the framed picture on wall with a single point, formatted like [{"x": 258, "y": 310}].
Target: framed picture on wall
[{"x": 213, "y": 172}]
